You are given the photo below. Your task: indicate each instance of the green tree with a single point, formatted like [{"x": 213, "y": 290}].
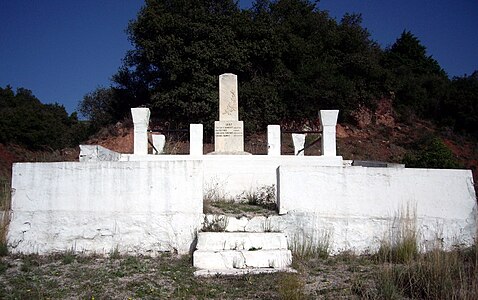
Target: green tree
[
  {"x": 24, "y": 120},
  {"x": 460, "y": 108},
  {"x": 98, "y": 107},
  {"x": 291, "y": 59},
  {"x": 418, "y": 81}
]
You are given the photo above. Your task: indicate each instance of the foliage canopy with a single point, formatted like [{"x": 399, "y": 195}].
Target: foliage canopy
[
  {"x": 292, "y": 59},
  {"x": 24, "y": 120}
]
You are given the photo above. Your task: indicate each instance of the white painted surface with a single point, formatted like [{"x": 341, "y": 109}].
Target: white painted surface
[
  {"x": 141, "y": 207},
  {"x": 273, "y": 140},
  {"x": 141, "y": 122},
  {"x": 358, "y": 203},
  {"x": 239, "y": 272},
  {"x": 241, "y": 259},
  {"x": 232, "y": 175},
  {"x": 328, "y": 119},
  {"x": 299, "y": 142},
  {"x": 159, "y": 140},
  {"x": 97, "y": 153},
  {"x": 153, "y": 203},
  {"x": 228, "y": 137},
  {"x": 217, "y": 241},
  {"x": 196, "y": 139}
]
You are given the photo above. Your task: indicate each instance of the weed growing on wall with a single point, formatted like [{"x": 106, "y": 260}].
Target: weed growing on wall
[{"x": 216, "y": 224}]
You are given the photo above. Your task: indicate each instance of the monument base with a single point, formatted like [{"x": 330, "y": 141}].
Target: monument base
[
  {"x": 229, "y": 153},
  {"x": 229, "y": 136}
]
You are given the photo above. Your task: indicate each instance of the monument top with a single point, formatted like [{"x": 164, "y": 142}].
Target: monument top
[{"x": 228, "y": 98}]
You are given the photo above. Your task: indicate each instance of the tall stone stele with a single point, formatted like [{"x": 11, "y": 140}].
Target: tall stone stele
[{"x": 228, "y": 131}]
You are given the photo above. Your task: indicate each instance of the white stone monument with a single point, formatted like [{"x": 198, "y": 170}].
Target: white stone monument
[
  {"x": 195, "y": 139},
  {"x": 141, "y": 122},
  {"x": 273, "y": 140},
  {"x": 228, "y": 131},
  {"x": 299, "y": 142},
  {"x": 328, "y": 119}
]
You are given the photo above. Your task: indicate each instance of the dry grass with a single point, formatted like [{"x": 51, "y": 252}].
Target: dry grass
[
  {"x": 307, "y": 247},
  {"x": 434, "y": 275},
  {"x": 4, "y": 215},
  {"x": 400, "y": 244}
]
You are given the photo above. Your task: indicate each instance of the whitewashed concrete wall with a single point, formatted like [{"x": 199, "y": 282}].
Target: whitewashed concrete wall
[
  {"x": 358, "y": 205},
  {"x": 232, "y": 175},
  {"x": 136, "y": 207},
  {"x": 97, "y": 153}
]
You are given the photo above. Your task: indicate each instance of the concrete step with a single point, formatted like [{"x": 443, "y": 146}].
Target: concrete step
[
  {"x": 242, "y": 259},
  {"x": 217, "y": 241},
  {"x": 238, "y": 272}
]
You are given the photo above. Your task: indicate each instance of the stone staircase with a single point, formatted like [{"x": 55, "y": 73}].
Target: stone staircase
[{"x": 234, "y": 253}]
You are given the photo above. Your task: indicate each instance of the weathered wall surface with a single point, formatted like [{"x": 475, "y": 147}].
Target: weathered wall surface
[
  {"x": 141, "y": 206},
  {"x": 138, "y": 207},
  {"x": 232, "y": 175},
  {"x": 360, "y": 205}
]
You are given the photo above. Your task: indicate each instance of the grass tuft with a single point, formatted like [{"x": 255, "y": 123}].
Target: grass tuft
[
  {"x": 401, "y": 245},
  {"x": 306, "y": 247}
]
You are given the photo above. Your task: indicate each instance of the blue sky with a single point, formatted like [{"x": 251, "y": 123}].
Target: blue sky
[{"x": 63, "y": 49}]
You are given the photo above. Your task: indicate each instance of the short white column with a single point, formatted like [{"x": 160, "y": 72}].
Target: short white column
[
  {"x": 159, "y": 140},
  {"x": 141, "y": 123},
  {"x": 328, "y": 119},
  {"x": 299, "y": 142},
  {"x": 195, "y": 139},
  {"x": 273, "y": 140}
]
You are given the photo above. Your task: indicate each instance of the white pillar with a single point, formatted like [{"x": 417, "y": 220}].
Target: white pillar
[
  {"x": 273, "y": 140},
  {"x": 299, "y": 142},
  {"x": 195, "y": 139},
  {"x": 159, "y": 140},
  {"x": 141, "y": 122},
  {"x": 328, "y": 119}
]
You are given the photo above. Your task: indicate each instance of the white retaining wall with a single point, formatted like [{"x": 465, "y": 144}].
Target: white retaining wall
[
  {"x": 141, "y": 206},
  {"x": 136, "y": 207},
  {"x": 230, "y": 176},
  {"x": 358, "y": 206}
]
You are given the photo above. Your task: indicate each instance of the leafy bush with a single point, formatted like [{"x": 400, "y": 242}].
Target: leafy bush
[{"x": 431, "y": 153}]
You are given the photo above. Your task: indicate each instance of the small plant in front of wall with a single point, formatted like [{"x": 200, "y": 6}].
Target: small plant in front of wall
[
  {"x": 216, "y": 224},
  {"x": 264, "y": 196}
]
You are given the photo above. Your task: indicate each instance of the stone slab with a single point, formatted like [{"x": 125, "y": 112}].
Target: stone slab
[
  {"x": 299, "y": 142},
  {"x": 240, "y": 272},
  {"x": 229, "y": 136},
  {"x": 234, "y": 259},
  {"x": 97, "y": 153},
  {"x": 216, "y": 241},
  {"x": 159, "y": 140},
  {"x": 196, "y": 139},
  {"x": 273, "y": 140}
]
